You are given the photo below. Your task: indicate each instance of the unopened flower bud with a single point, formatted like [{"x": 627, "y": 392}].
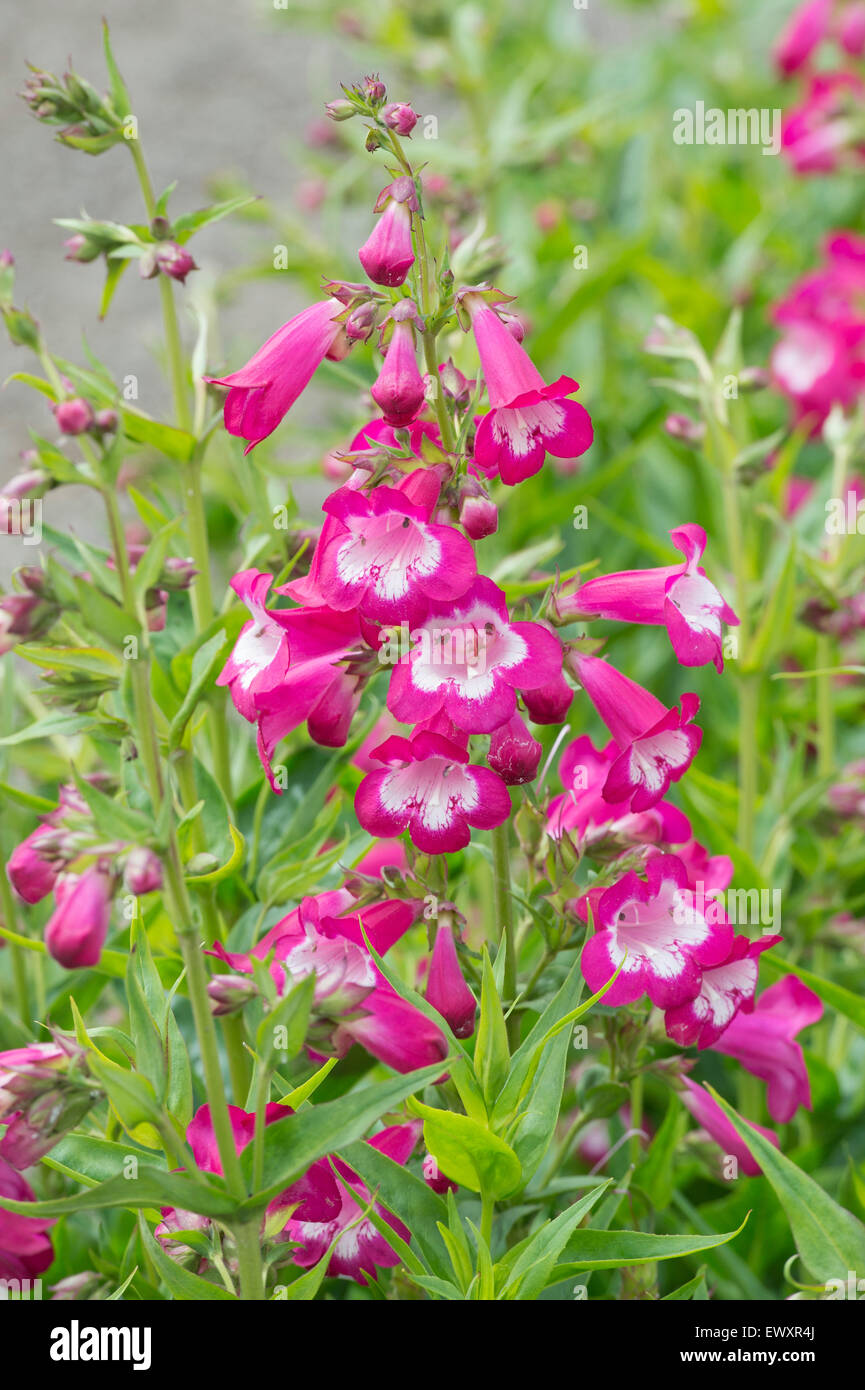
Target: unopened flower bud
[
  {"x": 683, "y": 428},
  {"x": 446, "y": 989},
  {"x": 341, "y": 109},
  {"x": 106, "y": 421},
  {"x": 229, "y": 993},
  {"x": 361, "y": 322},
  {"x": 174, "y": 260},
  {"x": 550, "y": 703},
  {"x": 374, "y": 89},
  {"x": 399, "y": 117},
  {"x": 81, "y": 248},
  {"x": 479, "y": 515},
  {"x": 514, "y": 754},
  {"x": 142, "y": 871},
  {"x": 74, "y": 416},
  {"x": 752, "y": 379}
]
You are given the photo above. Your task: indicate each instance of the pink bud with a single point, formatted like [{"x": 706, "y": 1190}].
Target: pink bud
[
  {"x": 31, "y": 871},
  {"x": 74, "y": 416},
  {"x": 80, "y": 248},
  {"x": 78, "y": 925},
  {"x": 399, "y": 389},
  {"x": 374, "y": 89},
  {"x": 683, "y": 428},
  {"x": 361, "y": 321},
  {"x": 550, "y": 703},
  {"x": 399, "y": 117},
  {"x": 479, "y": 515},
  {"x": 142, "y": 872},
  {"x": 387, "y": 254},
  {"x": 851, "y": 30},
  {"x": 514, "y": 754},
  {"x": 446, "y": 989},
  {"x": 106, "y": 421},
  {"x": 228, "y": 993},
  {"x": 173, "y": 260}
]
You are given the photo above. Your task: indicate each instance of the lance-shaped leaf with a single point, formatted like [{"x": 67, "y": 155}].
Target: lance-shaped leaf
[{"x": 614, "y": 1249}]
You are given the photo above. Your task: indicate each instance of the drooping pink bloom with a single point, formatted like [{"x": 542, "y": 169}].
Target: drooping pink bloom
[
  {"x": 764, "y": 1042},
  {"x": 174, "y": 261},
  {"x": 528, "y": 419},
  {"x": 78, "y": 926},
  {"x": 805, "y": 30},
  {"x": 39, "y": 1100},
  {"x": 584, "y": 813},
  {"x": 709, "y": 1115},
  {"x": 446, "y": 988},
  {"x": 399, "y": 117},
  {"x": 32, "y": 866},
  {"x": 656, "y": 927},
  {"x": 549, "y": 704},
  {"x": 387, "y": 255},
  {"x": 820, "y": 357},
  {"x": 25, "y": 1246},
  {"x": 724, "y": 990},
  {"x": 468, "y": 659},
  {"x": 398, "y": 390},
  {"x": 259, "y": 659},
  {"x": 430, "y": 789},
  {"x": 514, "y": 754},
  {"x": 353, "y": 1002},
  {"x": 821, "y": 133},
  {"x": 263, "y": 390},
  {"x": 317, "y": 640},
  {"x": 386, "y": 558},
  {"x": 360, "y": 1250},
  {"x": 678, "y": 596},
  {"x": 851, "y": 28},
  {"x": 314, "y": 1194},
  {"x": 479, "y": 515},
  {"x": 656, "y": 745}
]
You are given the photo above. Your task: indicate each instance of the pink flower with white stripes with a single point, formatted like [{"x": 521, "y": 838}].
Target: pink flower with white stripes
[
  {"x": 528, "y": 418},
  {"x": 764, "y": 1041},
  {"x": 385, "y": 557},
  {"x": 468, "y": 659},
  {"x": 678, "y": 596},
  {"x": 663, "y": 949},
  {"x": 259, "y": 659},
  {"x": 656, "y": 745},
  {"x": 584, "y": 813},
  {"x": 724, "y": 990},
  {"x": 430, "y": 789}
]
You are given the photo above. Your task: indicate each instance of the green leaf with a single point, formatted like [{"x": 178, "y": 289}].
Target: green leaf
[
  {"x": 695, "y": 1290},
  {"x": 291, "y": 1016},
  {"x": 492, "y": 1054},
  {"x": 92, "y": 660},
  {"x": 468, "y": 1153},
  {"x": 529, "y": 1273},
  {"x": 152, "y": 1187},
  {"x": 655, "y": 1174},
  {"x": 830, "y": 1240},
  {"x": 614, "y": 1249},
  {"x": 110, "y": 817},
  {"x": 181, "y": 1283},
  {"x": 207, "y": 659},
  {"x": 119, "y": 95},
  {"x": 183, "y": 227},
  {"x": 58, "y": 725},
  {"x": 289, "y": 1148},
  {"x": 166, "y": 439}
]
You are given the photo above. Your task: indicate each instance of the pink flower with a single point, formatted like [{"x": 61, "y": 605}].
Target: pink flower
[
  {"x": 528, "y": 419},
  {"x": 314, "y": 1194},
  {"x": 33, "y": 866},
  {"x": 709, "y": 1115},
  {"x": 174, "y": 260},
  {"x": 468, "y": 658},
  {"x": 399, "y": 117},
  {"x": 74, "y": 416},
  {"x": 353, "y": 1003},
  {"x": 479, "y": 515},
  {"x": 656, "y": 745},
  {"x": 446, "y": 989},
  {"x": 724, "y": 990},
  {"x": 263, "y": 390},
  {"x": 359, "y": 1251},
  {"x": 821, "y": 132},
  {"x": 429, "y": 789},
  {"x": 678, "y": 596},
  {"x": 586, "y": 814},
  {"x": 764, "y": 1043},
  {"x": 259, "y": 660},
  {"x": 655, "y": 927},
  {"x": 387, "y": 255},
  {"x": 549, "y": 704},
  {"x": 398, "y": 390},
  {"x": 820, "y": 358},
  {"x": 78, "y": 926},
  {"x": 386, "y": 558},
  {"x": 39, "y": 1100},
  {"x": 805, "y": 30},
  {"x": 851, "y": 29},
  {"x": 514, "y": 754},
  {"x": 25, "y": 1246},
  {"x": 142, "y": 872}
]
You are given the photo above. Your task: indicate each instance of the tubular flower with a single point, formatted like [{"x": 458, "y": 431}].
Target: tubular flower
[
  {"x": 678, "y": 596},
  {"x": 724, "y": 990},
  {"x": 259, "y": 661},
  {"x": 386, "y": 558},
  {"x": 528, "y": 418},
  {"x": 655, "y": 927},
  {"x": 78, "y": 926},
  {"x": 359, "y": 1250},
  {"x": 585, "y": 813},
  {"x": 805, "y": 30},
  {"x": 764, "y": 1042},
  {"x": 399, "y": 388},
  {"x": 820, "y": 134},
  {"x": 429, "y": 789},
  {"x": 25, "y": 1246},
  {"x": 514, "y": 754},
  {"x": 264, "y": 390},
  {"x": 468, "y": 658},
  {"x": 446, "y": 989},
  {"x": 387, "y": 255},
  {"x": 656, "y": 745},
  {"x": 709, "y": 1115}
]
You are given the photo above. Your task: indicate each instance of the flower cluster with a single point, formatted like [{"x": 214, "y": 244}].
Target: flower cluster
[{"x": 825, "y": 130}]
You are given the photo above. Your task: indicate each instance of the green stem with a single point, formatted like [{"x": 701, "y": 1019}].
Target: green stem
[
  {"x": 249, "y": 1266},
  {"x": 748, "y": 683},
  {"x": 636, "y": 1121},
  {"x": 19, "y": 964},
  {"x": 504, "y": 910},
  {"x": 488, "y": 1208},
  {"x": 826, "y": 646}
]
